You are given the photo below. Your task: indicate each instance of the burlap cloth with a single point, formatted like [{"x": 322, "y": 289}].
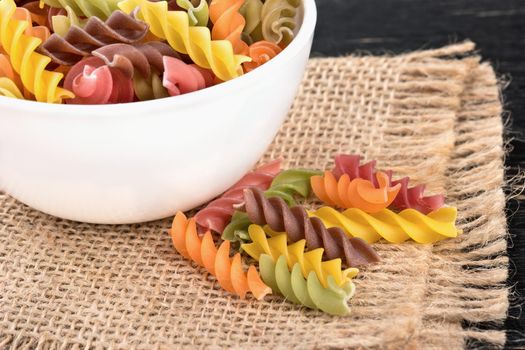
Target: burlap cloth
[{"x": 434, "y": 115}]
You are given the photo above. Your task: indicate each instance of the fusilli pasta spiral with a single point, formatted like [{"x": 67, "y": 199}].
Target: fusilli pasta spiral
[
  {"x": 260, "y": 53},
  {"x": 38, "y": 15},
  {"x": 182, "y": 78},
  {"x": 295, "y": 222},
  {"x": 279, "y": 20},
  {"x": 413, "y": 197},
  {"x": 21, "y": 49},
  {"x": 357, "y": 193},
  {"x": 199, "y": 14},
  {"x": 6, "y": 70},
  {"x": 149, "y": 88},
  {"x": 93, "y": 82},
  {"x": 143, "y": 59},
  {"x": 40, "y": 32},
  {"x": 64, "y": 19},
  {"x": 87, "y": 8},
  {"x": 251, "y": 11},
  {"x": 195, "y": 41},
  {"x": 295, "y": 253},
  {"x": 81, "y": 42},
  {"x": 288, "y": 184},
  {"x": 228, "y": 23},
  {"x": 8, "y": 88},
  {"x": 228, "y": 271},
  {"x": 332, "y": 299},
  {"x": 406, "y": 198},
  {"x": 216, "y": 215},
  {"x": 395, "y": 228}
]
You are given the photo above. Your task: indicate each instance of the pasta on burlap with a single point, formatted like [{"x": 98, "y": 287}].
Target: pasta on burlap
[
  {"x": 424, "y": 114},
  {"x": 309, "y": 261}
]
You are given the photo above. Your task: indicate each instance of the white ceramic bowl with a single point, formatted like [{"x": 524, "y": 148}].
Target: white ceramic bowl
[{"x": 143, "y": 161}]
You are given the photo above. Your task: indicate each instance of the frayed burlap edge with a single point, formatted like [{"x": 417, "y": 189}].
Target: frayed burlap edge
[{"x": 473, "y": 270}]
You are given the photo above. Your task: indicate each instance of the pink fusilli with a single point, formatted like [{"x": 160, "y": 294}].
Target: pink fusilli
[
  {"x": 408, "y": 197},
  {"x": 93, "y": 82},
  {"x": 181, "y": 78},
  {"x": 216, "y": 215}
]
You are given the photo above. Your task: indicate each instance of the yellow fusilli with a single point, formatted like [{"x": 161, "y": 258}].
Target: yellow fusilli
[
  {"x": 394, "y": 227},
  {"x": 62, "y": 23},
  {"x": 25, "y": 61},
  {"x": 8, "y": 88},
  {"x": 195, "y": 41},
  {"x": 295, "y": 253}
]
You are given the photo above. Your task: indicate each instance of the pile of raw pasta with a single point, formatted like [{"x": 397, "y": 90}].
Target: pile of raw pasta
[
  {"x": 309, "y": 256},
  {"x": 118, "y": 51}
]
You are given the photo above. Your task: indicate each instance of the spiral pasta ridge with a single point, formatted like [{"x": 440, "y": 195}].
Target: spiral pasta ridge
[
  {"x": 260, "y": 53},
  {"x": 287, "y": 185},
  {"x": 61, "y": 20},
  {"x": 39, "y": 32},
  {"x": 141, "y": 58},
  {"x": 29, "y": 64},
  {"x": 182, "y": 78},
  {"x": 395, "y": 228},
  {"x": 279, "y": 20},
  {"x": 228, "y": 271},
  {"x": 198, "y": 14},
  {"x": 407, "y": 197},
  {"x": 11, "y": 77},
  {"x": 228, "y": 23},
  {"x": 357, "y": 193},
  {"x": 216, "y": 215},
  {"x": 295, "y": 253},
  {"x": 38, "y": 15},
  {"x": 295, "y": 222},
  {"x": 6, "y": 69},
  {"x": 350, "y": 164},
  {"x": 251, "y": 11},
  {"x": 195, "y": 41},
  {"x": 412, "y": 197},
  {"x": 290, "y": 183},
  {"x": 87, "y": 8},
  {"x": 149, "y": 88},
  {"x": 81, "y": 42},
  {"x": 332, "y": 299},
  {"x": 8, "y": 88},
  {"x": 93, "y": 82}
]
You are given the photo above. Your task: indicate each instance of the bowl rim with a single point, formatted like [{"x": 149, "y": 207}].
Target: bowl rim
[{"x": 306, "y": 30}]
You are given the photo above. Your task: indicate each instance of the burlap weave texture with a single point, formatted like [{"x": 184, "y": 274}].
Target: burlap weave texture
[{"x": 431, "y": 115}]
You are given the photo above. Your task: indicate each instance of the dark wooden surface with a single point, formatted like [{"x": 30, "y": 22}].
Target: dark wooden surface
[{"x": 498, "y": 28}]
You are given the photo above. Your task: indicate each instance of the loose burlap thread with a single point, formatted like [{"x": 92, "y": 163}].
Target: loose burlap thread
[{"x": 434, "y": 115}]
